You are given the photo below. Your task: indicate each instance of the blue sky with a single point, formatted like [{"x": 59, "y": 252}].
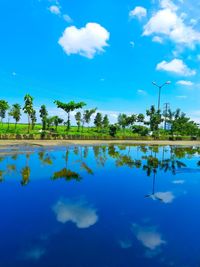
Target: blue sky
[{"x": 103, "y": 52}]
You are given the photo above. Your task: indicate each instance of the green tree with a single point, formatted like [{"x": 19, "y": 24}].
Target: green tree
[
  {"x": 78, "y": 118},
  {"x": 33, "y": 119},
  {"x": 56, "y": 121},
  {"x": 69, "y": 107},
  {"x": 105, "y": 122},
  {"x": 155, "y": 118},
  {"x": 98, "y": 121},
  {"x": 43, "y": 116},
  {"x": 88, "y": 114},
  {"x": 16, "y": 113},
  {"x": 3, "y": 108},
  {"x": 113, "y": 130},
  {"x": 180, "y": 124},
  {"x": 28, "y": 108},
  {"x": 140, "y": 118},
  {"x": 122, "y": 121},
  {"x": 130, "y": 120}
]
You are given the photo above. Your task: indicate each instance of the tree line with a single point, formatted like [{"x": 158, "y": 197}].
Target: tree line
[{"x": 175, "y": 122}]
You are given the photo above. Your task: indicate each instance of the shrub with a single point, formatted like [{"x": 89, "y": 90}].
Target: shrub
[{"x": 141, "y": 130}]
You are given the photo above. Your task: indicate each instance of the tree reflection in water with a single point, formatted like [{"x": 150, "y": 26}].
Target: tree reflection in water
[
  {"x": 66, "y": 173},
  {"x": 26, "y": 172},
  {"x": 77, "y": 160}
]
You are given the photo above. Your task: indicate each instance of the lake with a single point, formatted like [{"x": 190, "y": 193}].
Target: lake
[{"x": 100, "y": 206}]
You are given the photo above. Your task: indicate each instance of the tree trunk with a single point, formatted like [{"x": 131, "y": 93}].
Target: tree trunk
[
  {"x": 68, "y": 121},
  {"x": 28, "y": 124}
]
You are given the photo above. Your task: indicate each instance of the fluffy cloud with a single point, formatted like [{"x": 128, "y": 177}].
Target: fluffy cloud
[
  {"x": 78, "y": 212},
  {"x": 55, "y": 9},
  {"x": 176, "y": 66},
  {"x": 165, "y": 197},
  {"x": 167, "y": 23},
  {"x": 185, "y": 83},
  {"x": 86, "y": 41},
  {"x": 138, "y": 12},
  {"x": 148, "y": 236},
  {"x": 168, "y": 4}
]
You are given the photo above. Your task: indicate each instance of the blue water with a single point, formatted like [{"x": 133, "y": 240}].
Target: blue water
[{"x": 101, "y": 206}]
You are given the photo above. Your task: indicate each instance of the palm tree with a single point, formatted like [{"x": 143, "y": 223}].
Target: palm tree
[{"x": 28, "y": 108}]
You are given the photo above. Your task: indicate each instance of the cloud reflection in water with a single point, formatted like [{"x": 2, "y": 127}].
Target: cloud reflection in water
[{"x": 79, "y": 212}]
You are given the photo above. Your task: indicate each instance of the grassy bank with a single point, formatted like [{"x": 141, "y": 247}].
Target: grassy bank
[{"x": 10, "y": 132}]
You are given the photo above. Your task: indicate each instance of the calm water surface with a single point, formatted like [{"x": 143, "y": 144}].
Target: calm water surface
[{"x": 101, "y": 206}]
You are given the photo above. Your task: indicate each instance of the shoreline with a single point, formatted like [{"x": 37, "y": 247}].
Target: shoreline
[{"x": 52, "y": 143}]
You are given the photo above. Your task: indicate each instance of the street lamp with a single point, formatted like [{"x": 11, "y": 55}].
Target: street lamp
[{"x": 160, "y": 87}]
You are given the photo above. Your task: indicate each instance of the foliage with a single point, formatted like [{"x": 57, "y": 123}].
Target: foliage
[
  {"x": 33, "y": 118},
  {"x": 98, "y": 121},
  {"x": 105, "y": 122},
  {"x": 122, "y": 120},
  {"x": 66, "y": 174},
  {"x": 113, "y": 130},
  {"x": 43, "y": 116},
  {"x": 141, "y": 130},
  {"x": 88, "y": 114},
  {"x": 3, "y": 108},
  {"x": 68, "y": 107},
  {"x": 155, "y": 118},
  {"x": 28, "y": 108},
  {"x": 16, "y": 113},
  {"x": 78, "y": 118}
]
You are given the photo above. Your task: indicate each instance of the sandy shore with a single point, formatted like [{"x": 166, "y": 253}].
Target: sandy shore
[{"x": 49, "y": 143}]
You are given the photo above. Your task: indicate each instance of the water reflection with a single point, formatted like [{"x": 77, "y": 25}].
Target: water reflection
[
  {"x": 80, "y": 212},
  {"x": 108, "y": 218},
  {"x": 152, "y": 160},
  {"x": 148, "y": 236}
]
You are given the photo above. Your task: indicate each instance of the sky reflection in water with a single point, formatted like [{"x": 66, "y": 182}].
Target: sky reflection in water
[{"x": 100, "y": 206}]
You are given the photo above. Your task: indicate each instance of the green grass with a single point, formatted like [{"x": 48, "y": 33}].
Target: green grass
[{"x": 91, "y": 132}]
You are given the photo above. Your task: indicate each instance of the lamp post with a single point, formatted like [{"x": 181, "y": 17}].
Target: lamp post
[{"x": 159, "y": 92}]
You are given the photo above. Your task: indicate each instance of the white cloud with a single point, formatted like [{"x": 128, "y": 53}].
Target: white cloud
[
  {"x": 138, "y": 12},
  {"x": 167, "y": 23},
  {"x": 165, "y": 197},
  {"x": 178, "y": 182},
  {"x": 176, "y": 66},
  {"x": 67, "y": 18},
  {"x": 157, "y": 39},
  {"x": 181, "y": 96},
  {"x": 185, "y": 83},
  {"x": 168, "y": 4},
  {"x": 78, "y": 212},
  {"x": 55, "y": 9},
  {"x": 141, "y": 92},
  {"x": 148, "y": 236},
  {"x": 86, "y": 41}
]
